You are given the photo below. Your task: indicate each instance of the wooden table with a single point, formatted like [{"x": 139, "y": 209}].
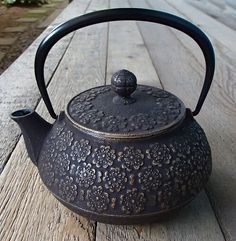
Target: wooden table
[{"x": 159, "y": 56}]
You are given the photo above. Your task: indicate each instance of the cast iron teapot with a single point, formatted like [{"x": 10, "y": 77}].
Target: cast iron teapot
[{"x": 122, "y": 153}]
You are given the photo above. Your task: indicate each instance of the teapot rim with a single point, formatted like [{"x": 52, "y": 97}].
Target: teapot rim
[{"x": 126, "y": 135}]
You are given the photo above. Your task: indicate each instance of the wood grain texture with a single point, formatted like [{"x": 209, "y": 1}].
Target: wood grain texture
[
  {"x": 127, "y": 51},
  {"x": 231, "y": 3},
  {"x": 18, "y": 87},
  {"x": 219, "y": 10},
  {"x": 28, "y": 211},
  {"x": 185, "y": 78},
  {"x": 225, "y": 91},
  {"x": 223, "y": 34},
  {"x": 196, "y": 221}
]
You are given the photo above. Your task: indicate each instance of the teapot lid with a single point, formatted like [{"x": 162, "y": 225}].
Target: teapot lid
[{"x": 125, "y": 109}]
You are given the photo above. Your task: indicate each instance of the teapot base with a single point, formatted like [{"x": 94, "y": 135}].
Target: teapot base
[{"x": 126, "y": 219}]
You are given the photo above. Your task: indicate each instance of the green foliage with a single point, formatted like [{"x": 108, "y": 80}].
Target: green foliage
[
  {"x": 24, "y": 2},
  {"x": 9, "y": 2}
]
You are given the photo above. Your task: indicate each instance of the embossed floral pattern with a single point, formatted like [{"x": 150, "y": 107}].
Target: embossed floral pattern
[
  {"x": 64, "y": 140},
  {"x": 159, "y": 154},
  {"x": 150, "y": 178},
  {"x": 80, "y": 150},
  {"x": 48, "y": 173},
  {"x": 99, "y": 90},
  {"x": 169, "y": 195},
  {"x": 133, "y": 201},
  {"x": 84, "y": 97},
  {"x": 103, "y": 156},
  {"x": 114, "y": 180},
  {"x": 161, "y": 116},
  {"x": 57, "y": 130},
  {"x": 181, "y": 169},
  {"x": 195, "y": 132},
  {"x": 62, "y": 164},
  {"x": 97, "y": 199},
  {"x": 91, "y": 116},
  {"x": 197, "y": 161},
  {"x": 131, "y": 158},
  {"x": 114, "y": 123},
  {"x": 85, "y": 175},
  {"x": 142, "y": 121},
  {"x": 195, "y": 181},
  {"x": 200, "y": 162},
  {"x": 128, "y": 180},
  {"x": 87, "y": 110},
  {"x": 67, "y": 190},
  {"x": 182, "y": 148},
  {"x": 83, "y": 100},
  {"x": 79, "y": 107},
  {"x": 201, "y": 147},
  {"x": 169, "y": 103},
  {"x": 50, "y": 153},
  {"x": 168, "y": 109}
]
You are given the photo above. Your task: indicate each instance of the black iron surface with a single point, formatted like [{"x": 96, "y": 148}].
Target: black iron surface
[
  {"x": 120, "y": 108},
  {"x": 109, "y": 180},
  {"x": 34, "y": 129},
  {"x": 120, "y": 162},
  {"x": 124, "y": 83}
]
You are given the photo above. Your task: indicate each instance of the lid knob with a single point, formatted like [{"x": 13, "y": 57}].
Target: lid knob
[{"x": 124, "y": 83}]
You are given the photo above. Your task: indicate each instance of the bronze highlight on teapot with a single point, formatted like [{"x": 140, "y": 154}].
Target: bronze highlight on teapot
[{"x": 123, "y": 153}]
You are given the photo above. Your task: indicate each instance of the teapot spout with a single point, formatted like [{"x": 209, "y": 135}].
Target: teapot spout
[{"x": 34, "y": 129}]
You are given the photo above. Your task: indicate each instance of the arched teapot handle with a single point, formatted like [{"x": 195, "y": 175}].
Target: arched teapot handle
[{"x": 125, "y": 14}]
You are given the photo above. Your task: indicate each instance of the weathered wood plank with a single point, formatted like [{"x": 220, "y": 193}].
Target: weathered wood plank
[
  {"x": 18, "y": 85},
  {"x": 231, "y": 3},
  {"x": 225, "y": 58},
  {"x": 127, "y": 51},
  {"x": 28, "y": 211},
  {"x": 217, "y": 10},
  {"x": 185, "y": 78},
  {"x": 223, "y": 34},
  {"x": 195, "y": 222}
]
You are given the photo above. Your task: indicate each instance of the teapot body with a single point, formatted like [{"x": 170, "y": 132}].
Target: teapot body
[
  {"x": 133, "y": 181},
  {"x": 124, "y": 153}
]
